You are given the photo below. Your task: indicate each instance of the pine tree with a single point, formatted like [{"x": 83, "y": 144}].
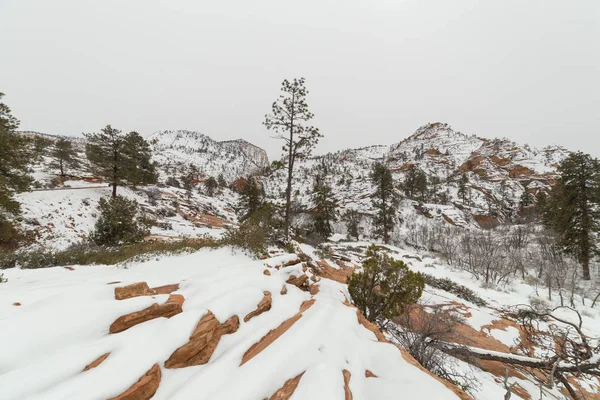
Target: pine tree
[
  {"x": 251, "y": 198},
  {"x": 385, "y": 201},
  {"x": 40, "y": 146},
  {"x": 573, "y": 209},
  {"x": 138, "y": 166},
  {"x": 187, "y": 181},
  {"x": 211, "y": 186},
  {"x": 64, "y": 156},
  {"x": 463, "y": 190},
  {"x": 221, "y": 181},
  {"x": 352, "y": 219},
  {"x": 14, "y": 162},
  {"x": 324, "y": 212},
  {"x": 526, "y": 200},
  {"x": 119, "y": 222},
  {"x": 120, "y": 159},
  {"x": 288, "y": 118},
  {"x": 415, "y": 184},
  {"x": 104, "y": 151}
]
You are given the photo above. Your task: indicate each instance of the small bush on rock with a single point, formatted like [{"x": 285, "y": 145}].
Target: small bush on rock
[{"x": 384, "y": 287}]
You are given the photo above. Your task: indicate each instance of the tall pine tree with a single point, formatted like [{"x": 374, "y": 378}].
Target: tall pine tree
[
  {"x": 251, "y": 198},
  {"x": 120, "y": 159},
  {"x": 385, "y": 201},
  {"x": 573, "y": 208},
  {"x": 64, "y": 156},
  {"x": 138, "y": 166},
  {"x": 415, "y": 184},
  {"x": 324, "y": 212},
  {"x": 104, "y": 151},
  {"x": 14, "y": 162},
  {"x": 289, "y": 117}
]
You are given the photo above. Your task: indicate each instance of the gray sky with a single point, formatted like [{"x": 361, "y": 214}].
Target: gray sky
[{"x": 376, "y": 70}]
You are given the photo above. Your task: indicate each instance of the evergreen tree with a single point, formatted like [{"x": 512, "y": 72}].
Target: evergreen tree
[
  {"x": 288, "y": 118},
  {"x": 352, "y": 219},
  {"x": 104, "y": 151},
  {"x": 463, "y": 190},
  {"x": 64, "y": 156},
  {"x": 384, "y": 287},
  {"x": 118, "y": 223},
  {"x": 573, "y": 209},
  {"x": 120, "y": 159},
  {"x": 14, "y": 162},
  {"x": 251, "y": 198},
  {"x": 526, "y": 200},
  {"x": 325, "y": 209},
  {"x": 385, "y": 201},
  {"x": 40, "y": 146},
  {"x": 415, "y": 184},
  {"x": 211, "y": 186},
  {"x": 187, "y": 182},
  {"x": 221, "y": 181},
  {"x": 138, "y": 166}
]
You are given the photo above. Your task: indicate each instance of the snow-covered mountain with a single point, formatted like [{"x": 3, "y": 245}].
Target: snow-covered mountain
[
  {"x": 233, "y": 158},
  {"x": 497, "y": 172}
]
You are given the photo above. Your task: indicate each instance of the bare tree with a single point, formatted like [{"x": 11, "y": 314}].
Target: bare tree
[
  {"x": 422, "y": 334},
  {"x": 566, "y": 351}
]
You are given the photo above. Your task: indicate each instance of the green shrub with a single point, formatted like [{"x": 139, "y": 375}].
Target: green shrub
[
  {"x": 119, "y": 222},
  {"x": 90, "y": 253},
  {"x": 257, "y": 232},
  {"x": 384, "y": 287}
]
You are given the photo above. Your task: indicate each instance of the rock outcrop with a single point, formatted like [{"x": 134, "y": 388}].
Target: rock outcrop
[
  {"x": 144, "y": 388},
  {"x": 203, "y": 341},
  {"x": 264, "y": 305},
  {"x": 172, "y": 307}
]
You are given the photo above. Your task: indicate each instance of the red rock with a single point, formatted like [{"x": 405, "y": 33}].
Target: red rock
[
  {"x": 291, "y": 262},
  {"x": 167, "y": 310},
  {"x": 314, "y": 289},
  {"x": 283, "y": 290},
  {"x": 144, "y": 388},
  {"x": 369, "y": 374},
  {"x": 16, "y": 303},
  {"x": 301, "y": 282},
  {"x": 113, "y": 283},
  {"x": 288, "y": 389},
  {"x": 166, "y": 289},
  {"x": 134, "y": 290},
  {"x": 203, "y": 342},
  {"x": 96, "y": 362},
  {"x": 264, "y": 305},
  {"x": 347, "y": 392},
  {"x": 142, "y": 289},
  {"x": 274, "y": 334},
  {"x": 267, "y": 272}
]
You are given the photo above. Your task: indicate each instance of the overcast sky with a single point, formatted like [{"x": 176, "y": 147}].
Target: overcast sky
[{"x": 376, "y": 70}]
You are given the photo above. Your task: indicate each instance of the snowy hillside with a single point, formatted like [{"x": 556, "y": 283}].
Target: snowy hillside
[
  {"x": 174, "y": 150},
  {"x": 497, "y": 172},
  {"x": 215, "y": 325}
]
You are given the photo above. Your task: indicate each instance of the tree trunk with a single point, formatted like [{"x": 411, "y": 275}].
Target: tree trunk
[{"x": 288, "y": 191}]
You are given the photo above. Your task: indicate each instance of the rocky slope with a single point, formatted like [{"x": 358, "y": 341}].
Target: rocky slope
[
  {"x": 497, "y": 171},
  {"x": 175, "y": 150},
  {"x": 210, "y": 325}
]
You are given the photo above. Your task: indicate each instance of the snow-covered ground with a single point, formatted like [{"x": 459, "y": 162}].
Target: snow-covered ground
[{"x": 56, "y": 321}]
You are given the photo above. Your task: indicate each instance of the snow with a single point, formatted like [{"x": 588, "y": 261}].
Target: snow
[
  {"x": 508, "y": 336},
  {"x": 62, "y": 325}
]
